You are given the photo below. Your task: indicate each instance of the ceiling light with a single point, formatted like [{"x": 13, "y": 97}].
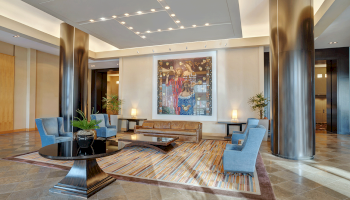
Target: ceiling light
[
  {"x": 335, "y": 42},
  {"x": 91, "y": 20},
  {"x": 167, "y": 7},
  {"x": 173, "y": 15},
  {"x": 143, "y": 36},
  {"x": 182, "y": 27},
  {"x": 114, "y": 16},
  {"x": 207, "y": 24},
  {"x": 153, "y": 10},
  {"x": 194, "y": 25},
  {"x": 139, "y": 12},
  {"x": 126, "y": 14},
  {"x": 102, "y": 18},
  {"x": 331, "y": 43},
  {"x": 16, "y": 36},
  {"x": 148, "y": 31},
  {"x": 170, "y": 28},
  {"x": 177, "y": 21},
  {"x": 137, "y": 33},
  {"x": 130, "y": 27},
  {"x": 159, "y": 30},
  {"x": 122, "y": 22}
]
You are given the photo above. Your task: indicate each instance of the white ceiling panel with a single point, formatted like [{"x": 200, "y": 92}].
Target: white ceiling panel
[
  {"x": 191, "y": 34},
  {"x": 200, "y": 12},
  {"x": 152, "y": 21},
  {"x": 116, "y": 34},
  {"x": 82, "y": 10}
]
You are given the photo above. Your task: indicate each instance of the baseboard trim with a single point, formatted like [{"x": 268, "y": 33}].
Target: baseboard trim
[{"x": 18, "y": 130}]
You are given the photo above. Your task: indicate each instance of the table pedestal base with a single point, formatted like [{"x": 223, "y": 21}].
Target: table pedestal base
[{"x": 84, "y": 179}]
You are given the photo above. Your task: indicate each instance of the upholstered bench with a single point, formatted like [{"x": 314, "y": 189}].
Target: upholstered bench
[{"x": 186, "y": 131}]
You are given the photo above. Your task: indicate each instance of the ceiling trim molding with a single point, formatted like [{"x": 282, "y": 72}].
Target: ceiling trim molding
[{"x": 185, "y": 47}]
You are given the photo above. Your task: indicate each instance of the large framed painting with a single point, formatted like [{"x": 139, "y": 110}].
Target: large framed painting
[{"x": 184, "y": 87}]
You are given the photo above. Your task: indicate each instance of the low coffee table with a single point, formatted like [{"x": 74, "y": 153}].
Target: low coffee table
[
  {"x": 85, "y": 178},
  {"x": 160, "y": 143}
]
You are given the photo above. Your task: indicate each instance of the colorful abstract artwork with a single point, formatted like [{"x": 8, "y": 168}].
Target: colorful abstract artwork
[{"x": 184, "y": 86}]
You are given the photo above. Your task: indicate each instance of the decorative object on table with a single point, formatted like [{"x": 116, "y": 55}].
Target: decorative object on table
[
  {"x": 242, "y": 158},
  {"x": 234, "y": 116},
  {"x": 85, "y": 137},
  {"x": 133, "y": 113},
  {"x": 52, "y": 131},
  {"x": 112, "y": 104},
  {"x": 104, "y": 129},
  {"x": 259, "y": 103}
]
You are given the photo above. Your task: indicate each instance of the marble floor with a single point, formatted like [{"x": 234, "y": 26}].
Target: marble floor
[{"x": 325, "y": 177}]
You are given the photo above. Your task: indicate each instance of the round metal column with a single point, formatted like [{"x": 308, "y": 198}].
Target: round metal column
[{"x": 292, "y": 78}]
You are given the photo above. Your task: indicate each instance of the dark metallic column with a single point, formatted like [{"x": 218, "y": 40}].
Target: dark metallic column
[
  {"x": 74, "y": 48},
  {"x": 292, "y": 78}
]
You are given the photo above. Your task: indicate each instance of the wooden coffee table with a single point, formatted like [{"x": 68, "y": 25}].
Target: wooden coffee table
[{"x": 160, "y": 143}]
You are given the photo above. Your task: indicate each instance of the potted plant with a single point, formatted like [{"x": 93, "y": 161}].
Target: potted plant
[
  {"x": 259, "y": 103},
  {"x": 85, "y": 136},
  {"x": 112, "y": 103}
]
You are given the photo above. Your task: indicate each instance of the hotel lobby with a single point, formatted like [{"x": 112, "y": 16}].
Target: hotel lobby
[{"x": 175, "y": 99}]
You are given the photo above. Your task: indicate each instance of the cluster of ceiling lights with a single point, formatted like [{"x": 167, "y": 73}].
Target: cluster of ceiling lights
[
  {"x": 16, "y": 36},
  {"x": 333, "y": 42}
]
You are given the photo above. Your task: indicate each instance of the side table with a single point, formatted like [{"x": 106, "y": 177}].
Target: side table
[
  {"x": 230, "y": 123},
  {"x": 137, "y": 120}
]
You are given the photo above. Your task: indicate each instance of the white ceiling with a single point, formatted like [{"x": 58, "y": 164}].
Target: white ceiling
[{"x": 26, "y": 14}]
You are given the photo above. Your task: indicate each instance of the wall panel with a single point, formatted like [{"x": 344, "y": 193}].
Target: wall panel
[
  {"x": 7, "y": 72},
  {"x": 20, "y": 93}
]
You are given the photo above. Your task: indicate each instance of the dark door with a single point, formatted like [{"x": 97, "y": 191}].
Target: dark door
[{"x": 332, "y": 96}]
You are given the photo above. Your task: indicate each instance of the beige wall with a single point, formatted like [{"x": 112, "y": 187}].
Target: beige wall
[
  {"x": 20, "y": 98},
  {"x": 238, "y": 77},
  {"x": 47, "y": 85},
  {"x": 7, "y": 48},
  {"x": 320, "y": 83}
]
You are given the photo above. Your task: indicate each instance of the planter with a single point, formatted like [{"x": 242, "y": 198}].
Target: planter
[
  {"x": 115, "y": 121},
  {"x": 85, "y": 138},
  {"x": 265, "y": 123}
]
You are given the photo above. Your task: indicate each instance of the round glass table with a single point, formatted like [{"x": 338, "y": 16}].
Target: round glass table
[{"x": 85, "y": 178}]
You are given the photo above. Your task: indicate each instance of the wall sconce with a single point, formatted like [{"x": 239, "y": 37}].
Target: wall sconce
[
  {"x": 234, "y": 115},
  {"x": 117, "y": 82},
  {"x": 319, "y": 75},
  {"x": 133, "y": 113},
  {"x": 325, "y": 75}
]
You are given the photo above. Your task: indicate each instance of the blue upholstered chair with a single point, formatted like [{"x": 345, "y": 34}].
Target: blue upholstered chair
[
  {"x": 51, "y": 131},
  {"x": 105, "y": 130},
  {"x": 238, "y": 135},
  {"x": 242, "y": 158}
]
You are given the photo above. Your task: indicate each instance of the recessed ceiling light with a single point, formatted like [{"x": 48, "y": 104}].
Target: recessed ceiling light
[
  {"x": 159, "y": 30},
  {"x": 143, "y": 36},
  {"x": 137, "y": 33},
  {"x": 335, "y": 42},
  {"x": 177, "y": 21},
  {"x": 182, "y": 27},
  {"x": 148, "y": 31},
  {"x": 122, "y": 22},
  {"x": 114, "y": 16},
  {"x": 102, "y": 18},
  {"x": 331, "y": 43},
  {"x": 170, "y": 28},
  {"x": 207, "y": 24},
  {"x": 126, "y": 14},
  {"x": 173, "y": 15},
  {"x": 139, "y": 12},
  {"x": 130, "y": 27},
  {"x": 16, "y": 36},
  {"x": 167, "y": 7},
  {"x": 194, "y": 25},
  {"x": 153, "y": 10},
  {"x": 91, "y": 20}
]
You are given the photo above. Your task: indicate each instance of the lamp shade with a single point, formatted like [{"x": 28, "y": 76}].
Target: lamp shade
[
  {"x": 234, "y": 114},
  {"x": 133, "y": 112}
]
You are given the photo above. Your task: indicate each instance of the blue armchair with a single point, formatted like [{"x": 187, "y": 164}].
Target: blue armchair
[
  {"x": 51, "y": 131},
  {"x": 105, "y": 129},
  {"x": 242, "y": 159},
  {"x": 238, "y": 135}
]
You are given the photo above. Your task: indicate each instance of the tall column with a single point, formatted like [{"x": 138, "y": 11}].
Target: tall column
[
  {"x": 292, "y": 78},
  {"x": 74, "y": 48},
  {"x": 31, "y": 89}
]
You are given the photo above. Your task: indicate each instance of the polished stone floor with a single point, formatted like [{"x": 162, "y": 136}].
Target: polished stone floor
[{"x": 325, "y": 177}]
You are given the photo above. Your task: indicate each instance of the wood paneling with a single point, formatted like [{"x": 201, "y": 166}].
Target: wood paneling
[{"x": 7, "y": 76}]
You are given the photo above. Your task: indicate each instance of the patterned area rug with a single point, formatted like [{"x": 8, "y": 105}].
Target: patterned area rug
[{"x": 190, "y": 165}]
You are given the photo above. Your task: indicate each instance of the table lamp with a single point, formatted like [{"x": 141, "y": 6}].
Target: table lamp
[
  {"x": 234, "y": 115},
  {"x": 133, "y": 113}
]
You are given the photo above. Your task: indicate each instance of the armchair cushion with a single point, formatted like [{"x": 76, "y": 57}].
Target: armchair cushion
[
  {"x": 51, "y": 126},
  {"x": 100, "y": 117}
]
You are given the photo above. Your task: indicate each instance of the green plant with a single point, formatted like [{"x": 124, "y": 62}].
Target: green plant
[
  {"x": 84, "y": 124},
  {"x": 112, "y": 103},
  {"x": 258, "y": 102}
]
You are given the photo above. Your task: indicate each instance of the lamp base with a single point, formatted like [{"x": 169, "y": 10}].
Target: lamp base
[
  {"x": 133, "y": 117},
  {"x": 234, "y": 120}
]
